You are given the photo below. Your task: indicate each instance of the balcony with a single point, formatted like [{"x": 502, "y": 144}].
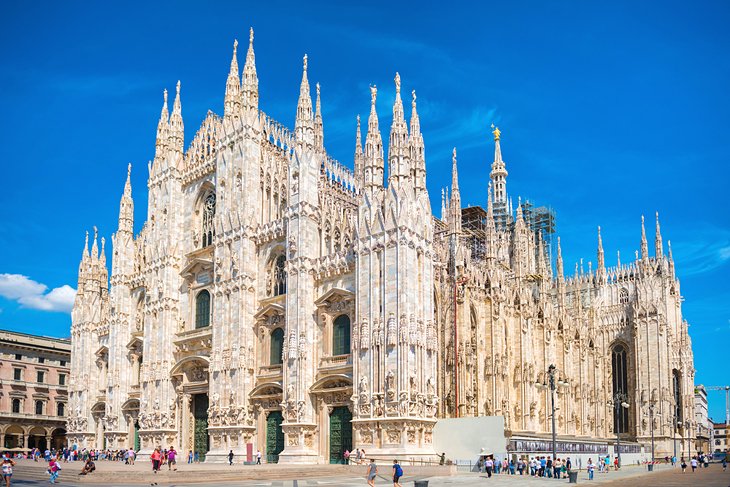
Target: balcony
[
  {"x": 336, "y": 363},
  {"x": 196, "y": 341},
  {"x": 32, "y": 417}
]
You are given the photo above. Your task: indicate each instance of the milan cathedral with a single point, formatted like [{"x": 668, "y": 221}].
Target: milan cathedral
[{"x": 276, "y": 298}]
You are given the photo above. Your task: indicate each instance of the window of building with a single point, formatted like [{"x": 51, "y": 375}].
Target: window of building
[
  {"x": 18, "y": 374},
  {"x": 202, "y": 309},
  {"x": 208, "y": 215},
  {"x": 341, "y": 335},
  {"x": 41, "y": 360},
  {"x": 623, "y": 296},
  {"x": 277, "y": 276},
  {"x": 60, "y": 409},
  {"x": 18, "y": 356},
  {"x": 39, "y": 407},
  {"x": 277, "y": 346},
  {"x": 61, "y": 379},
  {"x": 40, "y": 376},
  {"x": 620, "y": 378},
  {"x": 62, "y": 363},
  {"x": 677, "y": 391},
  {"x": 16, "y": 405}
]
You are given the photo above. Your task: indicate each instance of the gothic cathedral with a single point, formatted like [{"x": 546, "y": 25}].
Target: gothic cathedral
[{"x": 275, "y": 297}]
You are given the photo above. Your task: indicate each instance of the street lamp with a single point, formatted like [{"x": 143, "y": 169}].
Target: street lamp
[
  {"x": 619, "y": 401},
  {"x": 551, "y": 383}
]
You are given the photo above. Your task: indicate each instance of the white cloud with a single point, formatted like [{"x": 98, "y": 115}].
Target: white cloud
[{"x": 33, "y": 295}]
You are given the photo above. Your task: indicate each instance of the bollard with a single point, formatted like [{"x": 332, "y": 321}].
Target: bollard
[
  {"x": 573, "y": 477},
  {"x": 420, "y": 483}
]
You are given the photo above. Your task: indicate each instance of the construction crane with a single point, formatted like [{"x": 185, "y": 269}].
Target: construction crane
[{"x": 727, "y": 399}]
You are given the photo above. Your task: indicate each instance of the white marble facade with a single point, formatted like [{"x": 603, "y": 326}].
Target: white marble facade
[{"x": 273, "y": 294}]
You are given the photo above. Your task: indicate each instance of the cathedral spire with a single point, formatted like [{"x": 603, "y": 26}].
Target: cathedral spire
[
  {"x": 358, "y": 154},
  {"x": 418, "y": 157},
  {"x": 658, "y": 247},
  {"x": 601, "y": 270},
  {"x": 232, "y": 103},
  {"x": 102, "y": 254},
  {"x": 455, "y": 204},
  {"x": 250, "y": 80},
  {"x": 499, "y": 171},
  {"x": 126, "y": 206},
  {"x": 85, "y": 252},
  {"x": 670, "y": 257},
  {"x": 304, "y": 125},
  {"x": 374, "y": 165},
  {"x": 177, "y": 129},
  {"x": 94, "y": 246},
  {"x": 644, "y": 245},
  {"x": 559, "y": 263},
  {"x": 398, "y": 166},
  {"x": 618, "y": 259},
  {"x": 163, "y": 127},
  {"x": 318, "y": 126}
]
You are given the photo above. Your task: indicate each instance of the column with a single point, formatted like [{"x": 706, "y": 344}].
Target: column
[
  {"x": 135, "y": 369},
  {"x": 184, "y": 413},
  {"x": 49, "y": 445}
]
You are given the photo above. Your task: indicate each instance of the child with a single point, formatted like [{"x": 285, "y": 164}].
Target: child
[
  {"x": 8, "y": 465},
  {"x": 53, "y": 469}
]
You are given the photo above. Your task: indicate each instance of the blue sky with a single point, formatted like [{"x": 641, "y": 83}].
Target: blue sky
[{"x": 608, "y": 111}]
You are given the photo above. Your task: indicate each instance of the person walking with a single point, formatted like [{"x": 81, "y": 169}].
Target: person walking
[
  {"x": 488, "y": 465},
  {"x": 693, "y": 464},
  {"x": 53, "y": 469},
  {"x": 372, "y": 472},
  {"x": 346, "y": 457},
  {"x": 8, "y": 465},
  {"x": 590, "y": 468},
  {"x": 155, "y": 458},
  {"x": 397, "y": 474},
  {"x": 258, "y": 457},
  {"x": 683, "y": 464},
  {"x": 172, "y": 459},
  {"x": 190, "y": 456},
  {"x": 724, "y": 464},
  {"x": 230, "y": 457}
]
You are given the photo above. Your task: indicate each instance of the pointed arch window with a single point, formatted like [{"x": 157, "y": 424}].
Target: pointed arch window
[
  {"x": 623, "y": 296},
  {"x": 677, "y": 393},
  {"x": 277, "y": 346},
  {"x": 341, "y": 335},
  {"x": 620, "y": 378},
  {"x": 208, "y": 215},
  {"x": 277, "y": 276},
  {"x": 202, "y": 309}
]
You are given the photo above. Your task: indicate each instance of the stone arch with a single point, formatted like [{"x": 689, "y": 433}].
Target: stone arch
[{"x": 204, "y": 210}]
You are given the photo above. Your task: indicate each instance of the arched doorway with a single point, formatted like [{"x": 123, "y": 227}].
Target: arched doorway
[
  {"x": 274, "y": 436},
  {"x": 37, "y": 438},
  {"x": 201, "y": 440},
  {"x": 340, "y": 433},
  {"x": 58, "y": 438},
  {"x": 13, "y": 436}
]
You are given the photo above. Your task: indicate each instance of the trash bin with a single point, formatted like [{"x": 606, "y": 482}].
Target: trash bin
[
  {"x": 573, "y": 477},
  {"x": 420, "y": 483},
  {"x": 650, "y": 467}
]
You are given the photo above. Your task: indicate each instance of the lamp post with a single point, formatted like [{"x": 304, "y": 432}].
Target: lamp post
[
  {"x": 674, "y": 435},
  {"x": 551, "y": 384},
  {"x": 619, "y": 401}
]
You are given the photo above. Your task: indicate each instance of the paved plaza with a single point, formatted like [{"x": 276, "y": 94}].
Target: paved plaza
[{"x": 112, "y": 474}]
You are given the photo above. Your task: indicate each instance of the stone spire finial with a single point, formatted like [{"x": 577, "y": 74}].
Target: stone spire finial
[
  {"x": 318, "y": 125},
  {"x": 417, "y": 150},
  {"x": 177, "y": 128},
  {"x": 249, "y": 79},
  {"x": 358, "y": 154},
  {"x": 498, "y": 174},
  {"x": 559, "y": 263},
  {"x": 658, "y": 247},
  {"x": 398, "y": 163},
  {"x": 304, "y": 125},
  {"x": 85, "y": 252},
  {"x": 102, "y": 254},
  {"x": 618, "y": 259},
  {"x": 94, "y": 246},
  {"x": 126, "y": 206},
  {"x": 455, "y": 203},
  {"x": 601, "y": 270},
  {"x": 163, "y": 126},
  {"x": 374, "y": 164},
  {"x": 232, "y": 103},
  {"x": 644, "y": 245}
]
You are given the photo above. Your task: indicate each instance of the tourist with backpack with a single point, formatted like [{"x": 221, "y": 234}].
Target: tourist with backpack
[{"x": 397, "y": 473}]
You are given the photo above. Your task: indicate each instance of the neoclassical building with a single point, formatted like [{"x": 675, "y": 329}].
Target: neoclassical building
[{"x": 277, "y": 298}]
